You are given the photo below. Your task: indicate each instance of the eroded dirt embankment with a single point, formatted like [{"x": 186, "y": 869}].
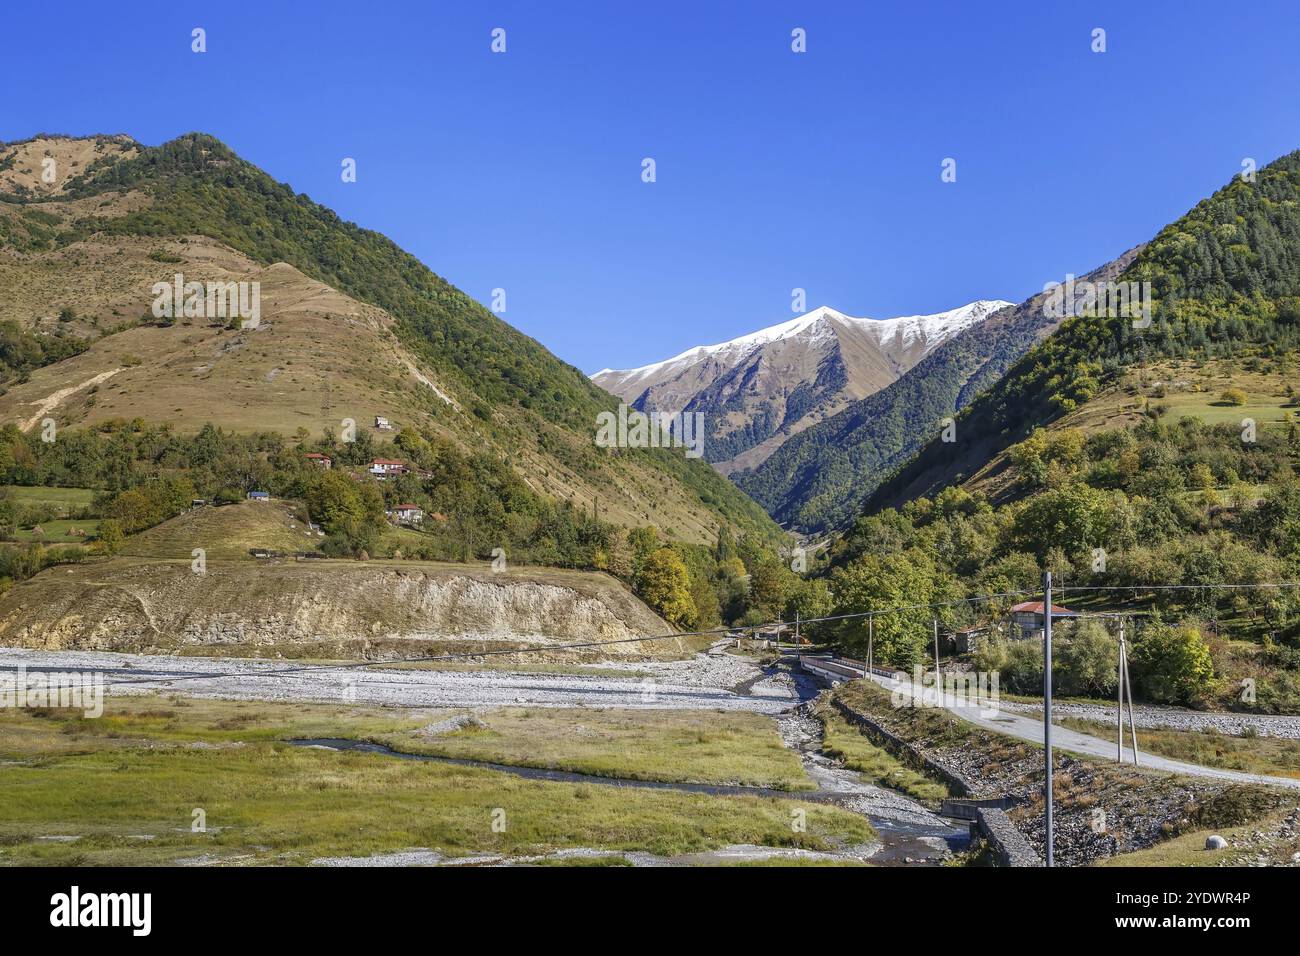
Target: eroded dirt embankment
[{"x": 322, "y": 609}]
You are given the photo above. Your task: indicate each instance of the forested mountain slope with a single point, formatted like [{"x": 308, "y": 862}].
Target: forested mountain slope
[
  {"x": 819, "y": 478},
  {"x": 353, "y": 328},
  {"x": 1225, "y": 279},
  {"x": 758, "y": 390}
]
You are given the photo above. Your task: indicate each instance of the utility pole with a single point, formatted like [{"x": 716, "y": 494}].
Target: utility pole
[
  {"x": 796, "y": 628},
  {"x": 871, "y": 640},
  {"x": 1119, "y": 698},
  {"x": 1047, "y": 707},
  {"x": 938, "y": 679},
  {"x": 1128, "y": 692}
]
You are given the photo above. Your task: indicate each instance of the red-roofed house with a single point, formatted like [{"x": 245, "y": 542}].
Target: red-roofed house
[
  {"x": 323, "y": 461},
  {"x": 1027, "y": 618}
]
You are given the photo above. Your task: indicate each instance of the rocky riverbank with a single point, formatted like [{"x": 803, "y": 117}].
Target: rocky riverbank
[{"x": 1100, "y": 809}]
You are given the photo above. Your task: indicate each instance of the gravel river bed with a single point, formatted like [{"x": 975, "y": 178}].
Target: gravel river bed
[{"x": 909, "y": 832}]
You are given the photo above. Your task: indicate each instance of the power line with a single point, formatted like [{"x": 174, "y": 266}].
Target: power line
[
  {"x": 464, "y": 655},
  {"x": 753, "y": 628},
  {"x": 1174, "y": 587}
]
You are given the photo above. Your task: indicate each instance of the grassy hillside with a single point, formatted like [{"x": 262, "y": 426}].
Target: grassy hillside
[
  {"x": 819, "y": 478},
  {"x": 226, "y": 533},
  {"x": 1226, "y": 283},
  {"x": 353, "y": 328},
  {"x": 1153, "y": 471}
]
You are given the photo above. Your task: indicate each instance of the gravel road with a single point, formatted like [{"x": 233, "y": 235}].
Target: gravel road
[
  {"x": 1030, "y": 728},
  {"x": 1151, "y": 717}
]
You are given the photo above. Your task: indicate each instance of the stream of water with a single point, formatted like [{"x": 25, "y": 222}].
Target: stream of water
[{"x": 909, "y": 831}]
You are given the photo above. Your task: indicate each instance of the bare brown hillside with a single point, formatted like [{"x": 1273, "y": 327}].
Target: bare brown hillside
[
  {"x": 324, "y": 609},
  {"x": 43, "y": 166}
]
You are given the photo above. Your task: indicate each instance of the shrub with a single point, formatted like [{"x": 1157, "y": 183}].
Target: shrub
[
  {"x": 1172, "y": 665},
  {"x": 1023, "y": 671},
  {"x": 1088, "y": 663}
]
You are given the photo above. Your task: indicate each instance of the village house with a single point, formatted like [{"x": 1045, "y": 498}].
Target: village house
[
  {"x": 407, "y": 514},
  {"x": 321, "y": 461},
  {"x": 383, "y": 423},
  {"x": 259, "y": 496},
  {"x": 383, "y": 468},
  {"x": 1027, "y": 619}
]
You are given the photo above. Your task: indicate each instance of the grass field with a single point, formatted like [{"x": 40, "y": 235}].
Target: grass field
[
  {"x": 1275, "y": 756},
  {"x": 1191, "y": 389},
  {"x": 66, "y": 499},
  {"x": 64, "y": 502},
  {"x": 59, "y": 531},
  {"x": 226, "y": 532},
  {"x": 1171, "y": 389},
  {"x": 695, "y": 746},
  {"x": 1189, "y": 848},
  {"x": 122, "y": 790}
]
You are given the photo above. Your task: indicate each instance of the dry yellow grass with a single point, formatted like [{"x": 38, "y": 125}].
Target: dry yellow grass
[{"x": 27, "y": 174}]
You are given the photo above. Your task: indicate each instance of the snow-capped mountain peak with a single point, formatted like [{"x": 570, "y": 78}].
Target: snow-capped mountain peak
[
  {"x": 826, "y": 356},
  {"x": 934, "y": 328},
  {"x": 899, "y": 332}
]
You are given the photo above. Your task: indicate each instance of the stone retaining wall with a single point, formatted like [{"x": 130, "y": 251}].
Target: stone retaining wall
[{"x": 1007, "y": 843}]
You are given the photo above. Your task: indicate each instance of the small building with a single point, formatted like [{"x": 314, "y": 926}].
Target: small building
[
  {"x": 387, "y": 467},
  {"x": 259, "y": 496},
  {"x": 773, "y": 633},
  {"x": 319, "y": 460},
  {"x": 383, "y": 424},
  {"x": 966, "y": 640},
  {"x": 1027, "y": 619},
  {"x": 407, "y": 514}
]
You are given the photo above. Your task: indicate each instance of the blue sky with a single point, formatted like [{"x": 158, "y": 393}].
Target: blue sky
[{"x": 775, "y": 170}]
